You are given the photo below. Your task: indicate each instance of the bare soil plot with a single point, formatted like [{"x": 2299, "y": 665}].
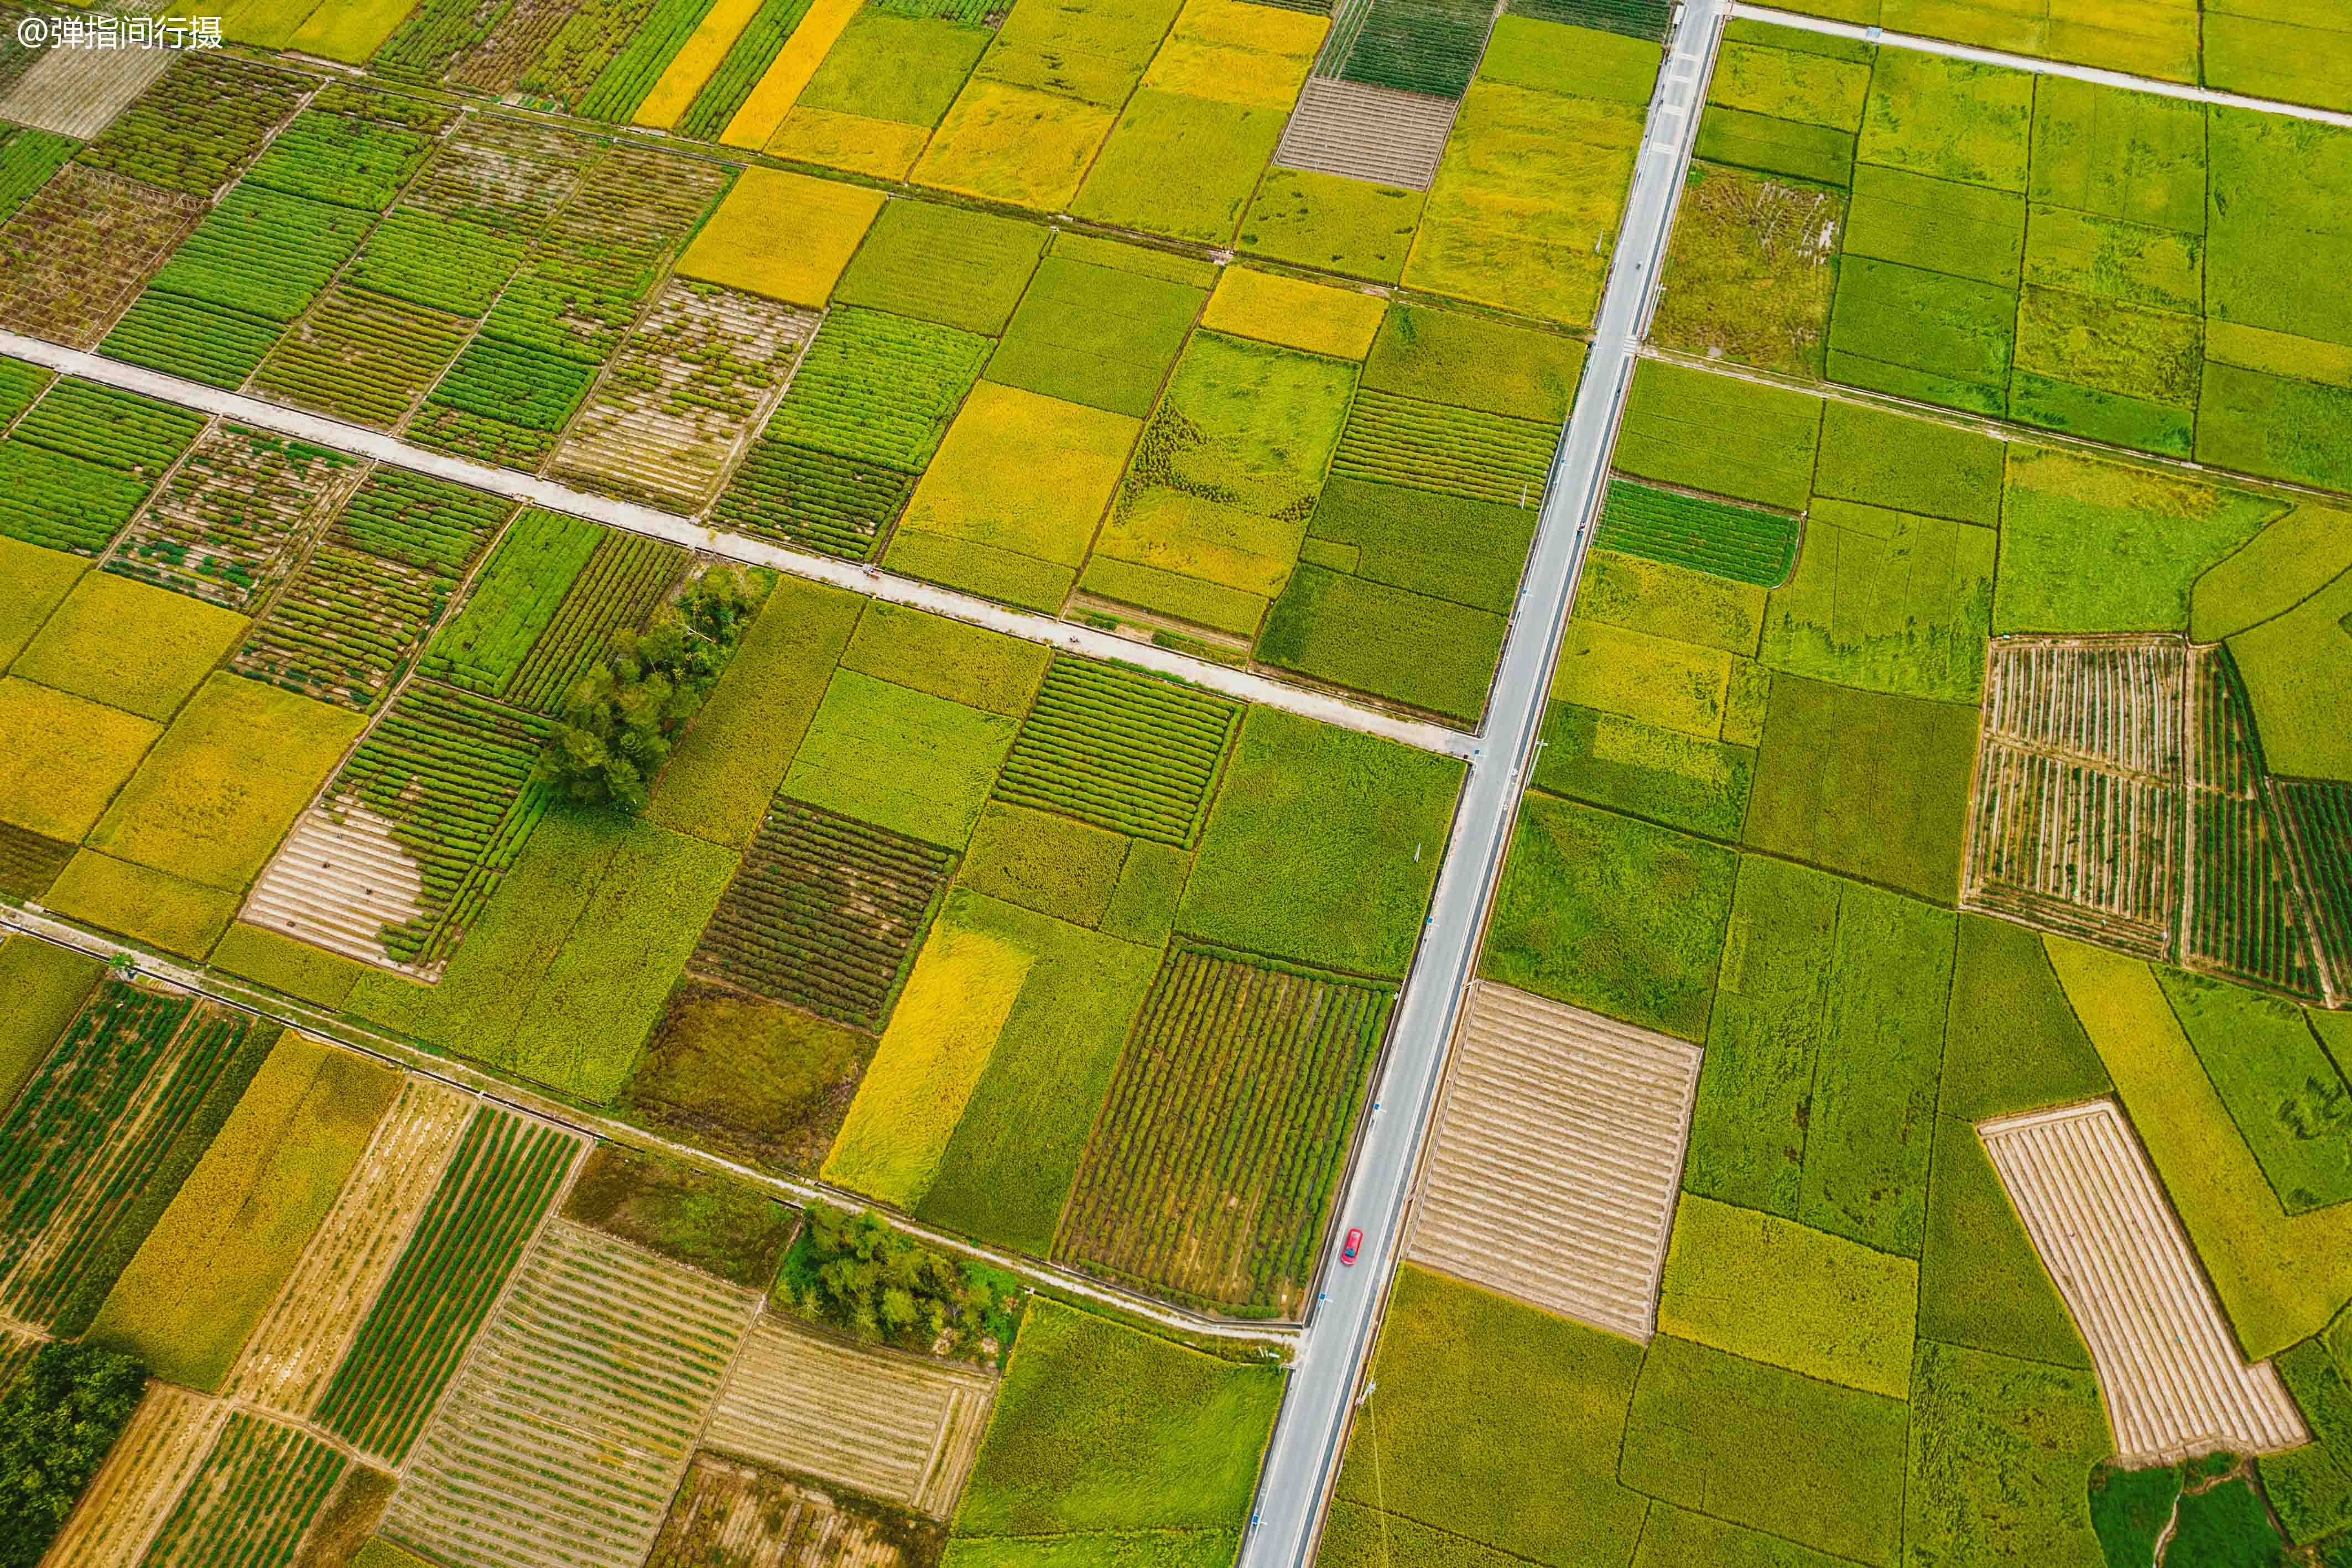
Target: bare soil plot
[
  {"x": 73, "y": 256},
  {"x": 694, "y": 381},
  {"x": 338, "y": 880},
  {"x": 1364, "y": 132},
  {"x": 236, "y": 515},
  {"x": 747, "y": 1517},
  {"x": 1558, "y": 1153},
  {"x": 295, "y": 1348},
  {"x": 146, "y": 1471},
  {"x": 501, "y": 172},
  {"x": 78, "y": 92},
  {"x": 901, "y": 1428},
  {"x": 496, "y": 64},
  {"x": 565, "y": 1436},
  {"x": 2174, "y": 1381},
  {"x": 2075, "y": 822}
]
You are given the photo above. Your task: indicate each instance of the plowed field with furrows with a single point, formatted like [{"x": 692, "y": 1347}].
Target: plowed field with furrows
[
  {"x": 1360, "y": 131},
  {"x": 1211, "y": 1166},
  {"x": 340, "y": 881},
  {"x": 571, "y": 1426},
  {"x": 87, "y": 1131},
  {"x": 2174, "y": 1381},
  {"x": 2115, "y": 702},
  {"x": 694, "y": 378},
  {"x": 150, "y": 1466},
  {"x": 236, "y": 516},
  {"x": 84, "y": 244},
  {"x": 826, "y": 913},
  {"x": 745, "y": 1517},
  {"x": 1121, "y": 749},
  {"x": 501, "y": 174},
  {"x": 895, "y": 1426},
  {"x": 294, "y": 1349},
  {"x": 1557, "y": 1156}
]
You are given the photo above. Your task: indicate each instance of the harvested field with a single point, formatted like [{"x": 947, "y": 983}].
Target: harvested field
[
  {"x": 826, "y": 913},
  {"x": 1121, "y": 749},
  {"x": 1360, "y": 131},
  {"x": 1453, "y": 451},
  {"x": 487, "y": 1204},
  {"x": 426, "y": 815},
  {"x": 236, "y": 516},
  {"x": 569, "y": 1430},
  {"x": 2244, "y": 913},
  {"x": 256, "y": 1494},
  {"x": 747, "y": 1517},
  {"x": 91, "y": 1125},
  {"x": 678, "y": 402},
  {"x": 2174, "y": 1383},
  {"x": 294, "y": 1349},
  {"x": 2075, "y": 822},
  {"x": 1211, "y": 1167},
  {"x": 1558, "y": 1154},
  {"x": 813, "y": 500},
  {"x": 361, "y": 355},
  {"x": 501, "y": 174},
  {"x": 78, "y": 92},
  {"x": 626, "y": 576},
  {"x": 169, "y": 1437},
  {"x": 73, "y": 255},
  {"x": 903, "y": 1428}
]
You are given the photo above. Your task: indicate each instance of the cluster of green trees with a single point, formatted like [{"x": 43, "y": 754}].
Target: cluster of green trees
[
  {"x": 620, "y": 719},
  {"x": 857, "y": 1274},
  {"x": 57, "y": 1422}
]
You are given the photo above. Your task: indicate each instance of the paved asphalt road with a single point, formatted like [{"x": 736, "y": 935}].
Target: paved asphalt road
[{"x": 1305, "y": 1454}]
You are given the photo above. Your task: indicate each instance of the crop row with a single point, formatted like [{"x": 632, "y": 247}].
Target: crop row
[
  {"x": 335, "y": 157},
  {"x": 86, "y": 1133},
  {"x": 1212, "y": 1166},
  {"x": 450, "y": 771},
  {"x": 360, "y": 356},
  {"x": 2317, "y": 814},
  {"x": 878, "y": 388},
  {"x": 205, "y": 342},
  {"x": 29, "y": 863},
  {"x": 1737, "y": 542},
  {"x": 569, "y": 68},
  {"x": 21, "y": 386},
  {"x": 1122, "y": 749},
  {"x": 494, "y": 65},
  {"x": 429, "y": 259},
  {"x": 567, "y": 1433},
  {"x": 1418, "y": 45},
  {"x": 253, "y": 1501},
  {"x": 77, "y": 252},
  {"x": 1454, "y": 451},
  {"x": 517, "y": 595},
  {"x": 264, "y": 253},
  {"x": 747, "y": 59},
  {"x": 424, "y": 46},
  {"x": 2242, "y": 913},
  {"x": 812, "y": 500},
  {"x": 392, "y": 109},
  {"x": 625, "y": 577},
  {"x": 1634, "y": 19},
  {"x": 124, "y": 430},
  {"x": 622, "y": 84},
  {"x": 63, "y": 503},
  {"x": 426, "y": 522},
  {"x": 236, "y": 517},
  {"x": 198, "y": 124},
  {"x": 27, "y": 159},
  {"x": 468, "y": 1241},
  {"x": 345, "y": 627},
  {"x": 523, "y": 387},
  {"x": 825, "y": 913}
]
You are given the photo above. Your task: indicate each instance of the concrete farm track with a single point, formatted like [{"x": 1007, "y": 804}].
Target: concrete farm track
[{"x": 359, "y": 440}]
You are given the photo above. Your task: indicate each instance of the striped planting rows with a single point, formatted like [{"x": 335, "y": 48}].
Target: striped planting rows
[
  {"x": 746, "y": 1517},
  {"x": 900, "y": 1428},
  {"x": 236, "y": 516},
  {"x": 1358, "y": 131},
  {"x": 2244, "y": 910},
  {"x": 627, "y": 575},
  {"x": 1553, "y": 1172},
  {"x": 569, "y": 1430},
  {"x": 2174, "y": 1381},
  {"x": 250, "y": 1503},
  {"x": 1122, "y": 749},
  {"x": 293, "y": 1351},
  {"x": 150, "y": 1466}
]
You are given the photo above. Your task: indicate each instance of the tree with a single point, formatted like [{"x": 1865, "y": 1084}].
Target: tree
[
  {"x": 621, "y": 718},
  {"x": 57, "y": 1422},
  {"x": 859, "y": 1274}
]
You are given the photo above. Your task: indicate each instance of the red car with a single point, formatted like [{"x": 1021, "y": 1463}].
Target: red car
[{"x": 1348, "y": 1247}]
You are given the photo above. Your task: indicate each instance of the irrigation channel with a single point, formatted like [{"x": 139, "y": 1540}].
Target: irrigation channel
[{"x": 1312, "y": 1430}]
